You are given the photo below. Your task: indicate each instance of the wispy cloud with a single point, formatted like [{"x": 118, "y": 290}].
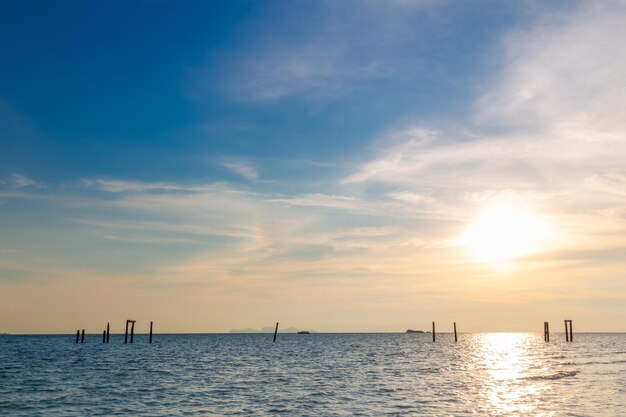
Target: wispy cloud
[
  {"x": 548, "y": 134},
  {"x": 320, "y": 52},
  {"x": 241, "y": 167},
  {"x": 16, "y": 180},
  {"x": 121, "y": 186}
]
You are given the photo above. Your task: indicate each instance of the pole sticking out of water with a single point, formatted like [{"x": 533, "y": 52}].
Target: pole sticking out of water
[
  {"x": 433, "y": 331},
  {"x": 150, "y": 332},
  {"x": 568, "y": 331},
  {"x": 455, "y": 338},
  {"x": 82, "y": 337},
  {"x": 108, "y": 332},
  {"x": 569, "y": 334},
  {"x": 104, "y": 336},
  {"x": 132, "y": 331},
  {"x": 275, "y": 332},
  {"x": 126, "y": 333},
  {"x": 546, "y": 331},
  {"x": 77, "y": 335}
]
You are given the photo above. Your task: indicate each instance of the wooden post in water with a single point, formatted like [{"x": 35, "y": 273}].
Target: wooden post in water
[
  {"x": 150, "y": 332},
  {"x": 132, "y": 331},
  {"x": 126, "y": 333},
  {"x": 108, "y": 332},
  {"x": 546, "y": 331},
  {"x": 455, "y": 338},
  {"x": 433, "y": 331},
  {"x": 569, "y": 334},
  {"x": 104, "y": 336},
  {"x": 82, "y": 337},
  {"x": 77, "y": 335},
  {"x": 275, "y": 332}
]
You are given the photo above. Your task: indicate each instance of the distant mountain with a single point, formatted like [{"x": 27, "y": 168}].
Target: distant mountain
[
  {"x": 414, "y": 331},
  {"x": 267, "y": 329}
]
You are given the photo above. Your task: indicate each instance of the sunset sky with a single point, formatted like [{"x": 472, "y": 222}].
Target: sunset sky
[{"x": 331, "y": 165}]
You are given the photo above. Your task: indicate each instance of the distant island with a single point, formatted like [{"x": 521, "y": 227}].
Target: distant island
[
  {"x": 268, "y": 329},
  {"x": 414, "y": 331}
]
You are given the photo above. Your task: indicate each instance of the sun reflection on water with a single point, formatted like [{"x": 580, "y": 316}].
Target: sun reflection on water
[{"x": 504, "y": 362}]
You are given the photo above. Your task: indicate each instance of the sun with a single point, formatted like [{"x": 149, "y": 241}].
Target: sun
[{"x": 501, "y": 234}]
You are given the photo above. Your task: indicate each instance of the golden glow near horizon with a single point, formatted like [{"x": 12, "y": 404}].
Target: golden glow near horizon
[{"x": 503, "y": 233}]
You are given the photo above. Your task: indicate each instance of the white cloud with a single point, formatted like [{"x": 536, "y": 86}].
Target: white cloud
[
  {"x": 567, "y": 70},
  {"x": 121, "y": 186},
  {"x": 319, "y": 51},
  {"x": 611, "y": 182},
  {"x": 559, "y": 143},
  {"x": 242, "y": 168},
  {"x": 16, "y": 180},
  {"x": 321, "y": 200}
]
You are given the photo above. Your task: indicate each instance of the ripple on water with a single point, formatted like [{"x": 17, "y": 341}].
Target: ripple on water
[{"x": 323, "y": 374}]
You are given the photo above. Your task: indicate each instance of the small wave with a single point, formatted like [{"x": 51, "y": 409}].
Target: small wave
[{"x": 552, "y": 377}]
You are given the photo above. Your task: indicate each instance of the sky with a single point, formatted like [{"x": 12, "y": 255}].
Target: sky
[{"x": 340, "y": 166}]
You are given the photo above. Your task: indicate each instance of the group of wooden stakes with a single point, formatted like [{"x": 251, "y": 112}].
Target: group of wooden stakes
[
  {"x": 80, "y": 336},
  {"x": 569, "y": 334}
]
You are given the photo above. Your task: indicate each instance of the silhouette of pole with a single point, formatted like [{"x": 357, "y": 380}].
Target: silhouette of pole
[
  {"x": 104, "y": 336},
  {"x": 108, "y": 332},
  {"x": 275, "y": 332},
  {"x": 571, "y": 332},
  {"x": 455, "y": 338},
  {"x": 82, "y": 337},
  {"x": 433, "y": 331},
  {"x": 77, "y": 336},
  {"x": 546, "y": 331},
  {"x": 150, "y": 332},
  {"x": 126, "y": 333},
  {"x": 566, "y": 333},
  {"x": 132, "y": 331}
]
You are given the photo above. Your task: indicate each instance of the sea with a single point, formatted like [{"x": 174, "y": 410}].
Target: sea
[{"x": 483, "y": 374}]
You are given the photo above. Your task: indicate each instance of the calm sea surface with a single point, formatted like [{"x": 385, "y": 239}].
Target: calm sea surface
[{"x": 491, "y": 374}]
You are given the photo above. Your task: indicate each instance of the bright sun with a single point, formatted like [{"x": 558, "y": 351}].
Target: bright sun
[{"x": 503, "y": 233}]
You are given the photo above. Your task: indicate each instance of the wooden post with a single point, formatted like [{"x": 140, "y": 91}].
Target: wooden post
[
  {"x": 569, "y": 333},
  {"x": 150, "y": 332},
  {"x": 108, "y": 332},
  {"x": 104, "y": 336},
  {"x": 82, "y": 337},
  {"x": 433, "y": 331},
  {"x": 275, "y": 332},
  {"x": 455, "y": 338},
  {"x": 546, "y": 331},
  {"x": 77, "y": 335},
  {"x": 126, "y": 333},
  {"x": 132, "y": 331}
]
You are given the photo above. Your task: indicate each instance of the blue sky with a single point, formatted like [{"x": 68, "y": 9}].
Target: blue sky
[{"x": 309, "y": 160}]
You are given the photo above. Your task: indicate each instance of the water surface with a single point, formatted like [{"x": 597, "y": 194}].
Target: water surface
[{"x": 490, "y": 374}]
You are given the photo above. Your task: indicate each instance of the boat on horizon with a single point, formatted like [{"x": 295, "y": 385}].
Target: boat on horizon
[{"x": 304, "y": 332}]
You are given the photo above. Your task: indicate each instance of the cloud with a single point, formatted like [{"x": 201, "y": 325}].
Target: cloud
[
  {"x": 318, "y": 52},
  {"x": 16, "y": 180},
  {"x": 611, "y": 182},
  {"x": 321, "y": 200},
  {"x": 547, "y": 135},
  {"x": 565, "y": 71},
  {"x": 122, "y": 186},
  {"x": 240, "y": 167}
]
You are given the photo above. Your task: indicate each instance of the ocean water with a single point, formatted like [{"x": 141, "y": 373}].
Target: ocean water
[{"x": 490, "y": 374}]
